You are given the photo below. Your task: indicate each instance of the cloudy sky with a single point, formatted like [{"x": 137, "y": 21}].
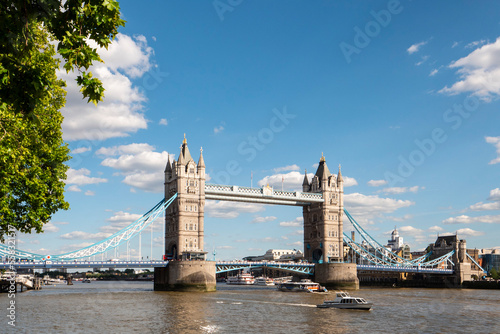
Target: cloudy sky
[{"x": 404, "y": 95}]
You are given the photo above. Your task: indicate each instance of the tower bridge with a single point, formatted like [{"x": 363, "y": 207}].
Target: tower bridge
[{"x": 322, "y": 202}]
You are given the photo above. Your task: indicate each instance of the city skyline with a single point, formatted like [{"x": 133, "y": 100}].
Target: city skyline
[{"x": 405, "y": 99}]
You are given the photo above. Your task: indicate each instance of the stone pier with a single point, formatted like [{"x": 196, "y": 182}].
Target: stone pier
[
  {"x": 337, "y": 275},
  {"x": 186, "y": 276}
]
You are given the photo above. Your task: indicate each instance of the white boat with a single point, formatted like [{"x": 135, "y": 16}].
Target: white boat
[
  {"x": 86, "y": 280},
  {"x": 305, "y": 285},
  {"x": 264, "y": 281},
  {"x": 345, "y": 301},
  {"x": 241, "y": 279}
]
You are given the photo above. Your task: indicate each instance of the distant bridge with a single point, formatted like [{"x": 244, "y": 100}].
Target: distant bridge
[{"x": 221, "y": 266}]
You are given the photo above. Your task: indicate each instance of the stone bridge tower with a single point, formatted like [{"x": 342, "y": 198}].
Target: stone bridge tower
[
  {"x": 323, "y": 241},
  {"x": 323, "y": 230},
  {"x": 184, "y": 217}
]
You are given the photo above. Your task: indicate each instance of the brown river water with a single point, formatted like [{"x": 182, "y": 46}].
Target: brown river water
[{"x": 133, "y": 307}]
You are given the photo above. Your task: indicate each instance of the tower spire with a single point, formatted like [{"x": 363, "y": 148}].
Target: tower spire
[
  {"x": 201, "y": 162},
  {"x": 184, "y": 156},
  {"x": 306, "y": 181}
]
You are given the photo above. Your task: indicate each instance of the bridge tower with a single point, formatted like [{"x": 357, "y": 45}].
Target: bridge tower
[
  {"x": 184, "y": 228},
  {"x": 323, "y": 230},
  {"x": 323, "y": 241},
  {"x": 184, "y": 217}
]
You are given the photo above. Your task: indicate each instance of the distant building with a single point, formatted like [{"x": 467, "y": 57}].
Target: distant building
[
  {"x": 278, "y": 255},
  {"x": 490, "y": 259},
  {"x": 396, "y": 242}
]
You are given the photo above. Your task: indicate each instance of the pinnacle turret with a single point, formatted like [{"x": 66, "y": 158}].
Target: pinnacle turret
[
  {"x": 201, "y": 162},
  {"x": 339, "y": 176},
  {"x": 168, "y": 168}
]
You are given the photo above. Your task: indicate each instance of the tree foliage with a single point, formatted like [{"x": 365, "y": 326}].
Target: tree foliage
[
  {"x": 494, "y": 274},
  {"x": 32, "y": 151}
]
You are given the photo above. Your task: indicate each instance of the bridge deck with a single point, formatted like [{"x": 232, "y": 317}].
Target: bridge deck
[{"x": 265, "y": 195}]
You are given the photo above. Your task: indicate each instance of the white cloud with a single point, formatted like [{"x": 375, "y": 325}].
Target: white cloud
[
  {"x": 74, "y": 188},
  {"x": 72, "y": 247},
  {"x": 400, "y": 190},
  {"x": 297, "y": 222},
  {"x": 496, "y": 142},
  {"x": 479, "y": 73},
  {"x": 81, "y": 150},
  {"x": 433, "y": 72},
  {"x": 125, "y": 149},
  {"x": 295, "y": 244},
  {"x": 377, "y": 183},
  {"x": 494, "y": 195},
  {"x": 485, "y": 206},
  {"x": 89, "y": 193},
  {"x": 121, "y": 111},
  {"x": 141, "y": 167},
  {"x": 469, "y": 232},
  {"x": 81, "y": 235},
  {"x": 81, "y": 177},
  {"x": 218, "y": 129},
  {"x": 119, "y": 221},
  {"x": 415, "y": 47},
  {"x": 455, "y": 44},
  {"x": 364, "y": 208},
  {"x": 400, "y": 219},
  {"x": 163, "y": 121},
  {"x": 286, "y": 168},
  {"x": 423, "y": 59},
  {"x": 266, "y": 219},
  {"x": 464, "y": 219},
  {"x": 50, "y": 227},
  {"x": 475, "y": 44},
  {"x": 349, "y": 181},
  {"x": 495, "y": 205},
  {"x": 435, "y": 228},
  {"x": 230, "y": 210}
]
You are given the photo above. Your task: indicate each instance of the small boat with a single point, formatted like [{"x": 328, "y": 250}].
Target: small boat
[
  {"x": 86, "y": 280},
  {"x": 345, "y": 301},
  {"x": 240, "y": 279},
  {"x": 305, "y": 285},
  {"x": 264, "y": 281}
]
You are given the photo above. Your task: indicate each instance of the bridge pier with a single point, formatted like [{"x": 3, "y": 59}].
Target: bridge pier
[
  {"x": 186, "y": 276},
  {"x": 337, "y": 275}
]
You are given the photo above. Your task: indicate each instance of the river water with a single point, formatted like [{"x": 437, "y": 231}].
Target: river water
[{"x": 133, "y": 307}]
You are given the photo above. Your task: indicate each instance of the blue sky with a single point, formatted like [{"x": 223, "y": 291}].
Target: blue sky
[{"x": 404, "y": 95}]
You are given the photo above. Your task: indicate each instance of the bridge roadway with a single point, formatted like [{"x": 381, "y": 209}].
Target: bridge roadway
[
  {"x": 222, "y": 266},
  {"x": 264, "y": 195}
]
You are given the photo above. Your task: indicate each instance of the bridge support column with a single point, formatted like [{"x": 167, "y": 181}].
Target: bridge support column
[
  {"x": 337, "y": 275},
  {"x": 185, "y": 276}
]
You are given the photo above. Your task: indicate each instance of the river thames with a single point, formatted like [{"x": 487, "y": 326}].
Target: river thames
[{"x": 127, "y": 307}]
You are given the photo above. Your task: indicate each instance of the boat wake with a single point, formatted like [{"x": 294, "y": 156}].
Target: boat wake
[{"x": 239, "y": 302}]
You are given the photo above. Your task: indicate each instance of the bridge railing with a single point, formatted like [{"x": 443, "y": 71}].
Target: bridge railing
[{"x": 214, "y": 189}]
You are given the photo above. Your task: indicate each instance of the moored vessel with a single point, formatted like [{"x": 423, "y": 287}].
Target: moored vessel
[
  {"x": 241, "y": 279},
  {"x": 304, "y": 285},
  {"x": 264, "y": 281}
]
